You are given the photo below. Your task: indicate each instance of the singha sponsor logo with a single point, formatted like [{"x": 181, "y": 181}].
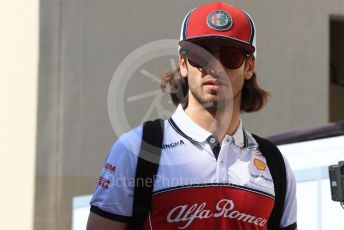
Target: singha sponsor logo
[
  {"x": 173, "y": 145},
  {"x": 186, "y": 214}
]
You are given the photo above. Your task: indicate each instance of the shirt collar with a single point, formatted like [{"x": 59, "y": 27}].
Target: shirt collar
[
  {"x": 188, "y": 126},
  {"x": 195, "y": 133},
  {"x": 238, "y": 135}
]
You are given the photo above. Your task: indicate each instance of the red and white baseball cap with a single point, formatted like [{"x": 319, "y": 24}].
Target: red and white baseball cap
[{"x": 220, "y": 24}]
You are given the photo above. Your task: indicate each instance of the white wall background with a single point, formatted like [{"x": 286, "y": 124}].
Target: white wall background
[
  {"x": 310, "y": 160},
  {"x": 18, "y": 105}
]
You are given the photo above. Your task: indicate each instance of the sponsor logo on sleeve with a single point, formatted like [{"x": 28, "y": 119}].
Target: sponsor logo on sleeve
[
  {"x": 104, "y": 182},
  {"x": 110, "y": 167}
]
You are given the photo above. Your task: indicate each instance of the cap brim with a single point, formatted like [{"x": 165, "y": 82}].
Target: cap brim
[{"x": 219, "y": 41}]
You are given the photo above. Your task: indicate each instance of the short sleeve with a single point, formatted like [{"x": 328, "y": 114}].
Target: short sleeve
[
  {"x": 289, "y": 217},
  {"x": 113, "y": 195}
]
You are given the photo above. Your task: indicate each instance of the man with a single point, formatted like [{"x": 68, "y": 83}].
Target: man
[{"x": 212, "y": 173}]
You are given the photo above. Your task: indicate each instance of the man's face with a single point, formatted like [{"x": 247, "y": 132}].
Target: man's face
[{"x": 215, "y": 84}]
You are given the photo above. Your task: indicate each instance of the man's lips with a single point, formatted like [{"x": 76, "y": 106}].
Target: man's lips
[{"x": 213, "y": 84}]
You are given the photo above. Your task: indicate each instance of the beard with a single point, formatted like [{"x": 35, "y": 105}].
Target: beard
[{"x": 213, "y": 101}]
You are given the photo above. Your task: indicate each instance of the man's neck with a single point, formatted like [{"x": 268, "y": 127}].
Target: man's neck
[{"x": 219, "y": 123}]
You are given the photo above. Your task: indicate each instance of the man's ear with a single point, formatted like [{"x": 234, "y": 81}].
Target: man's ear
[
  {"x": 183, "y": 66},
  {"x": 250, "y": 67}
]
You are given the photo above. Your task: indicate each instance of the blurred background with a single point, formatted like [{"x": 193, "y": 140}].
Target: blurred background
[{"x": 65, "y": 63}]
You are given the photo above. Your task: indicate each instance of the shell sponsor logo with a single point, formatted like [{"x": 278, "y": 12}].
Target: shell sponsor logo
[{"x": 260, "y": 165}]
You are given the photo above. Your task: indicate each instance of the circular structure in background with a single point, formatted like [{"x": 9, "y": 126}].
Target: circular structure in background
[{"x": 134, "y": 94}]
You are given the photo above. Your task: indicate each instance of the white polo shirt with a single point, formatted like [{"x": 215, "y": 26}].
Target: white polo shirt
[{"x": 199, "y": 184}]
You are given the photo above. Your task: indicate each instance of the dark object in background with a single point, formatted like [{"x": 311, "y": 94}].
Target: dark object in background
[
  {"x": 336, "y": 174},
  {"x": 307, "y": 134}
]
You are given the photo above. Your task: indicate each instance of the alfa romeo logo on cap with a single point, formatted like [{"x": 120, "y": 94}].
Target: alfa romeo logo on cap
[{"x": 219, "y": 20}]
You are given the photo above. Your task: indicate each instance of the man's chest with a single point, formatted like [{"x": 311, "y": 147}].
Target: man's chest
[
  {"x": 184, "y": 163},
  {"x": 194, "y": 190}
]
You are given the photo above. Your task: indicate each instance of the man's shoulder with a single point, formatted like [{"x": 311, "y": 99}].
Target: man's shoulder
[
  {"x": 133, "y": 134},
  {"x": 127, "y": 144},
  {"x": 130, "y": 141},
  {"x": 260, "y": 140}
]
